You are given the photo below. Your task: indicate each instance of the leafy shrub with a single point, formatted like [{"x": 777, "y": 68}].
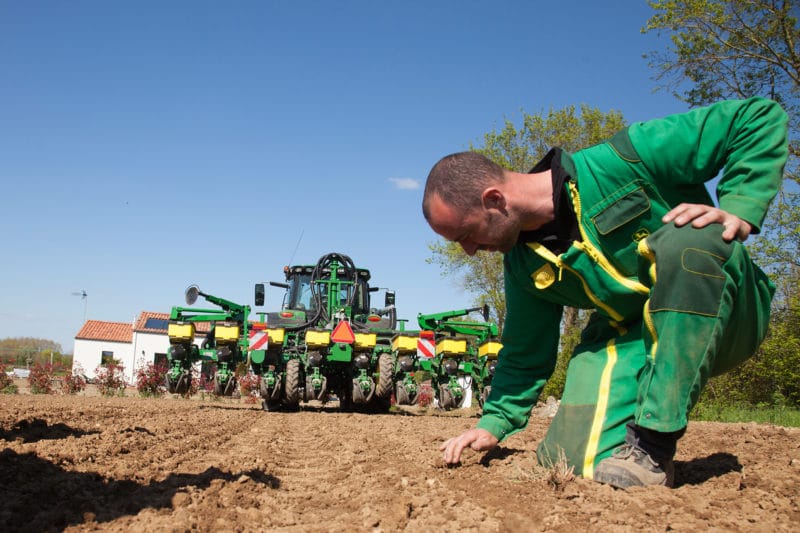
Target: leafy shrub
[
  {"x": 206, "y": 383},
  {"x": 73, "y": 384},
  {"x": 425, "y": 395},
  {"x": 194, "y": 387},
  {"x": 41, "y": 378},
  {"x": 6, "y": 383},
  {"x": 110, "y": 379},
  {"x": 249, "y": 387},
  {"x": 150, "y": 379}
]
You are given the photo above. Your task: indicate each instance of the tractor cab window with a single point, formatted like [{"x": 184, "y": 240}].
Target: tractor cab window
[
  {"x": 300, "y": 292},
  {"x": 361, "y": 300},
  {"x": 344, "y": 294}
]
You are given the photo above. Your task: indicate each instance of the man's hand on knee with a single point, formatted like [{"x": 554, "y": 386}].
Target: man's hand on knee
[
  {"x": 701, "y": 215},
  {"x": 479, "y": 440}
]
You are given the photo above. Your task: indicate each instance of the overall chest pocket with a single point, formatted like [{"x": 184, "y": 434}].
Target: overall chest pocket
[
  {"x": 629, "y": 207},
  {"x": 621, "y": 220}
]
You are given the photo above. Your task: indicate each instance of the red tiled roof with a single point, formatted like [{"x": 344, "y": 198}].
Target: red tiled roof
[
  {"x": 202, "y": 327},
  {"x": 142, "y": 321},
  {"x": 106, "y": 331}
]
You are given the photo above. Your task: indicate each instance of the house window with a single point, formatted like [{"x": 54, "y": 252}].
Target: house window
[
  {"x": 106, "y": 358},
  {"x": 160, "y": 359}
]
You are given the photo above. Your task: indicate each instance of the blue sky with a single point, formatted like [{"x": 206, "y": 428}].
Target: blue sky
[{"x": 149, "y": 145}]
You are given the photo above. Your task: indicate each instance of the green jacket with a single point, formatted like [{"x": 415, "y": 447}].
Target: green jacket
[{"x": 619, "y": 190}]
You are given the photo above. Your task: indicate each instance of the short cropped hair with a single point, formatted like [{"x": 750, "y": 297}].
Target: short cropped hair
[{"x": 459, "y": 179}]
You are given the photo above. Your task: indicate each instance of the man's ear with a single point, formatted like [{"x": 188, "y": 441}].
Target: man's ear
[{"x": 493, "y": 198}]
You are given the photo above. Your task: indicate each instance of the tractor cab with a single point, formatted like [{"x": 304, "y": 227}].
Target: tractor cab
[
  {"x": 304, "y": 292},
  {"x": 334, "y": 287}
]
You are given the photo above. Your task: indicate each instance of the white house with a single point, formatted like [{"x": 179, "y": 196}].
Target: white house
[
  {"x": 101, "y": 342},
  {"x": 132, "y": 344}
]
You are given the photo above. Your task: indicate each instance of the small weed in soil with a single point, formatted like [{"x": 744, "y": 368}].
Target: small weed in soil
[{"x": 557, "y": 474}]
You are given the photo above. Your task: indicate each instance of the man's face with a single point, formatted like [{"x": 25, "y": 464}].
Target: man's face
[{"x": 480, "y": 229}]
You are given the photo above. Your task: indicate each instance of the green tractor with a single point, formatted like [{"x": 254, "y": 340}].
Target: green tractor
[
  {"x": 464, "y": 357},
  {"x": 326, "y": 341},
  {"x": 225, "y": 345}
]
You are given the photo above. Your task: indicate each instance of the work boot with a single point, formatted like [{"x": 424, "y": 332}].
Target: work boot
[{"x": 630, "y": 466}]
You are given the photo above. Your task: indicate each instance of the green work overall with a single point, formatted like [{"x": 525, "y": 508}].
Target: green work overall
[{"x": 674, "y": 305}]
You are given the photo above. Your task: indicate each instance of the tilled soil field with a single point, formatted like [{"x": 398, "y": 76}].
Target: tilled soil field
[{"x": 87, "y": 463}]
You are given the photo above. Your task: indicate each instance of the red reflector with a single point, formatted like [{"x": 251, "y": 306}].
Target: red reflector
[
  {"x": 259, "y": 326},
  {"x": 287, "y": 314},
  {"x": 343, "y": 333},
  {"x": 374, "y": 318},
  {"x": 425, "y": 334}
]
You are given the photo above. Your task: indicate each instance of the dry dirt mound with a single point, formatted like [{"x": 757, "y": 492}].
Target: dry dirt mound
[{"x": 85, "y": 463}]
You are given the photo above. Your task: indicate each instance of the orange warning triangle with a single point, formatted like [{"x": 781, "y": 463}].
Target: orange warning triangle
[{"x": 343, "y": 333}]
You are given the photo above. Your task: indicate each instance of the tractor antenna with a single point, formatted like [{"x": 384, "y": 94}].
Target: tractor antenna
[{"x": 296, "y": 246}]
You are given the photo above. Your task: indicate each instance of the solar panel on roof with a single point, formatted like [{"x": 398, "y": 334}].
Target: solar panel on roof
[{"x": 156, "y": 323}]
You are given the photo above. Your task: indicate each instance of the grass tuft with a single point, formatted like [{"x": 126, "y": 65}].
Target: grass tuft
[
  {"x": 558, "y": 474},
  {"x": 776, "y": 415}
]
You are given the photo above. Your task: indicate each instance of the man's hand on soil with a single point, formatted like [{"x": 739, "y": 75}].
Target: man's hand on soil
[{"x": 479, "y": 440}]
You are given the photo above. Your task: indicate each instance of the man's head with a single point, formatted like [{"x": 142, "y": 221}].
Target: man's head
[{"x": 465, "y": 202}]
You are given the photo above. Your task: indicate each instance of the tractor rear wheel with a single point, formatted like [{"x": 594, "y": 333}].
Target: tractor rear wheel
[
  {"x": 291, "y": 397},
  {"x": 383, "y": 389}
]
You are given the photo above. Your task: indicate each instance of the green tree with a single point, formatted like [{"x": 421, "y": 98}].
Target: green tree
[
  {"x": 17, "y": 350},
  {"x": 738, "y": 49},
  {"x": 728, "y": 48}
]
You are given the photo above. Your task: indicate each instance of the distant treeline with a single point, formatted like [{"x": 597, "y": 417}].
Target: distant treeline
[{"x": 24, "y": 351}]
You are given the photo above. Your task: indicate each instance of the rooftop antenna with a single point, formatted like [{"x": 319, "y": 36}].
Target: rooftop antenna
[{"x": 85, "y": 298}]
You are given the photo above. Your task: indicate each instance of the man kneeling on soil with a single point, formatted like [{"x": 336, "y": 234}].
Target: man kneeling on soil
[{"x": 626, "y": 228}]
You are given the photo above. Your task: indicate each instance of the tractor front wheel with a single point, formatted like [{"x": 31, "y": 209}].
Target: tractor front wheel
[
  {"x": 383, "y": 390},
  {"x": 291, "y": 391}
]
